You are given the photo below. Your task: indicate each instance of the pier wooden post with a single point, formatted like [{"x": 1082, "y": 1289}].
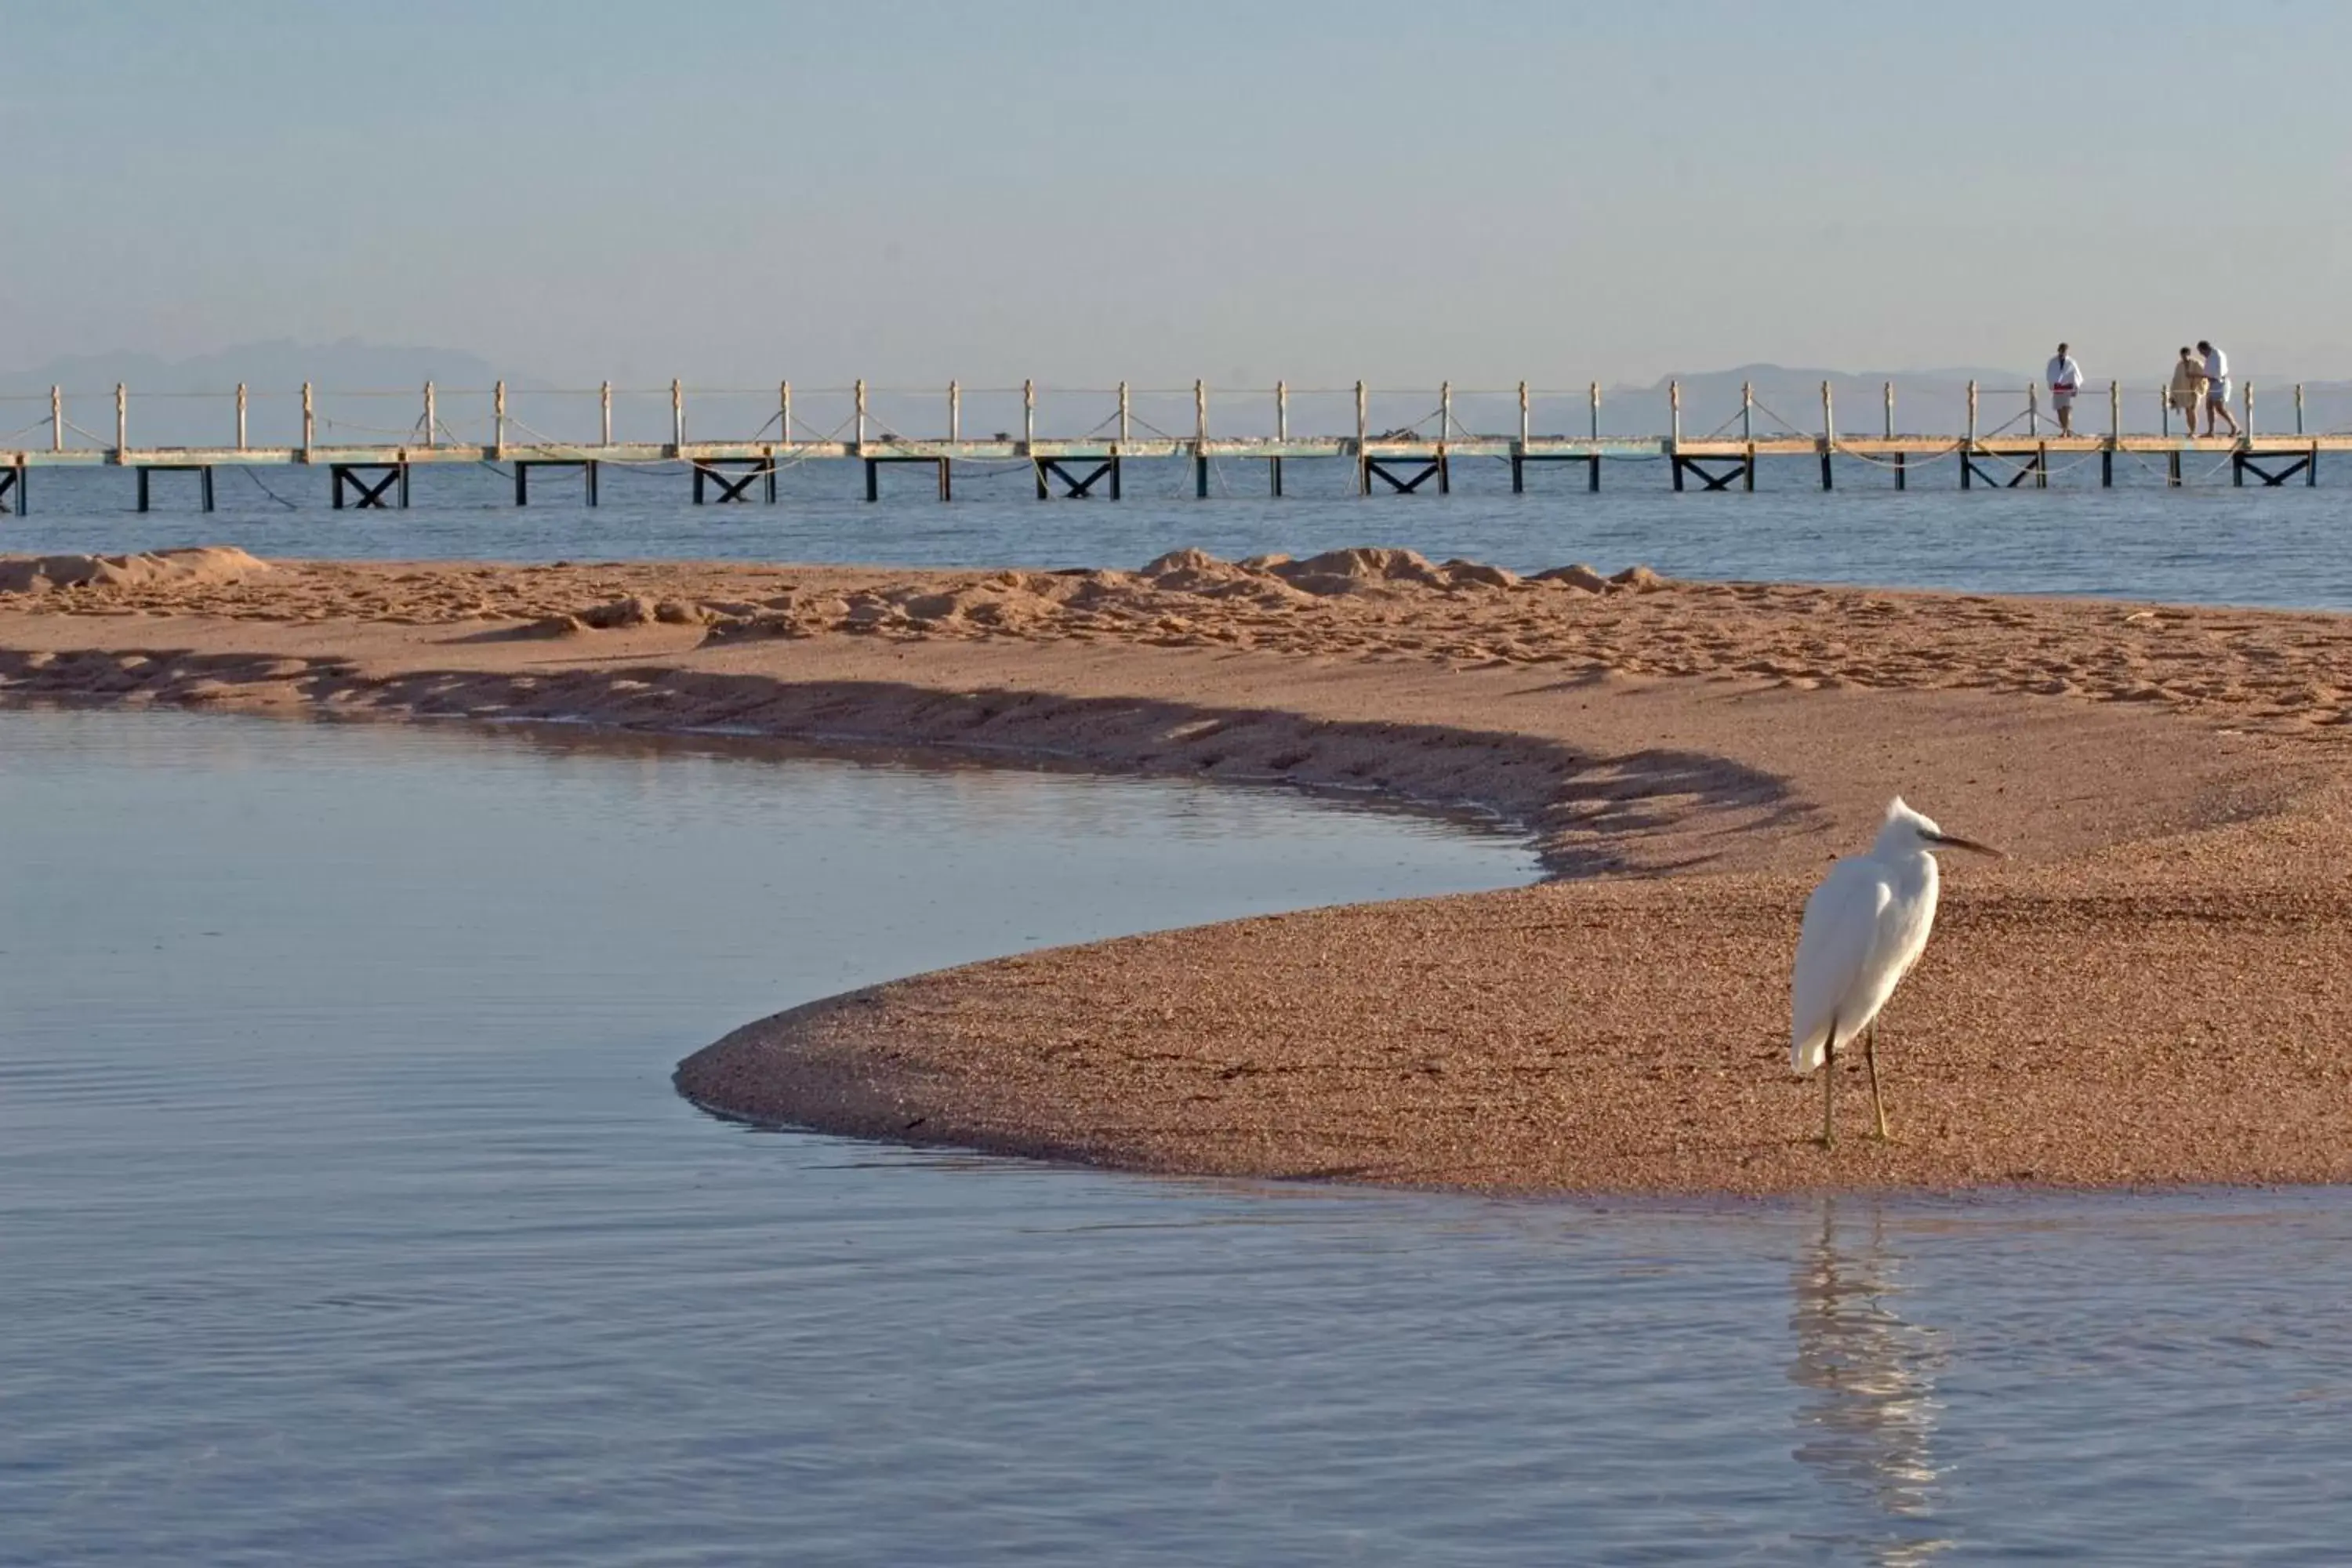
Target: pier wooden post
[
  {"x": 1281, "y": 434},
  {"x": 2298, "y": 408},
  {"x": 240, "y": 419},
  {"x": 1200, "y": 440},
  {"x": 678, "y": 416},
  {"x": 433, "y": 420},
  {"x": 1675, "y": 423},
  {"x": 1968, "y": 441},
  {"x": 2115, "y": 435},
  {"x": 1364, "y": 431},
  {"x": 1518, "y": 453},
  {"x": 1592, "y": 466},
  {"x": 1748, "y": 411},
  {"x": 1829, "y": 436},
  {"x": 955, "y": 412},
  {"x": 498, "y": 418},
  {"x": 309, "y": 421},
  {"x": 2250, "y": 410},
  {"x": 1124, "y": 422},
  {"x": 1029, "y": 437},
  {"x": 605, "y": 411},
  {"x": 2034, "y": 409},
  {"x": 57, "y": 419},
  {"x": 784, "y": 411},
  {"x": 1902, "y": 473},
  {"x": 1445, "y": 434},
  {"x": 122, "y": 427}
]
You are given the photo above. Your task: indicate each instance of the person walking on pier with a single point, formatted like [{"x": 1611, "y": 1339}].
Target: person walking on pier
[
  {"x": 2217, "y": 387},
  {"x": 2065, "y": 380},
  {"x": 2187, "y": 388}
]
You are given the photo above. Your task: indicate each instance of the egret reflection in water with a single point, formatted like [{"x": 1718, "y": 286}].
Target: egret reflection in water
[{"x": 1868, "y": 1430}]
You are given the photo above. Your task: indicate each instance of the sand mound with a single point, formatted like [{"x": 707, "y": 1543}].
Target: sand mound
[
  {"x": 1580, "y": 576},
  {"x": 1357, "y": 569},
  {"x": 198, "y": 566},
  {"x": 635, "y": 610},
  {"x": 1198, "y": 572},
  {"x": 1460, "y": 574},
  {"x": 1632, "y": 580}
]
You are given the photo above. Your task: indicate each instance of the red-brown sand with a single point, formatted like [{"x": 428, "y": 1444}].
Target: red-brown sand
[{"x": 2151, "y": 990}]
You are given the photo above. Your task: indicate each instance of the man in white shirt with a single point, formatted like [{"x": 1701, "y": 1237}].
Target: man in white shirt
[
  {"x": 2065, "y": 380},
  {"x": 2217, "y": 387}
]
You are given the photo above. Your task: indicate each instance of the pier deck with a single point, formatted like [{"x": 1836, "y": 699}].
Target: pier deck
[{"x": 376, "y": 473}]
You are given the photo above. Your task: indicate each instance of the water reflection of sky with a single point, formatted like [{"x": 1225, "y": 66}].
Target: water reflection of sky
[{"x": 346, "y": 1214}]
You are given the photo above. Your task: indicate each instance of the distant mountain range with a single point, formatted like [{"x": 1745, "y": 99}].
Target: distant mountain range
[{"x": 277, "y": 365}]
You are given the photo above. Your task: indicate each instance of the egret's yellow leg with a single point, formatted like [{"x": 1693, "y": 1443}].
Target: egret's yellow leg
[
  {"x": 1870, "y": 1057},
  {"x": 1829, "y": 1088}
]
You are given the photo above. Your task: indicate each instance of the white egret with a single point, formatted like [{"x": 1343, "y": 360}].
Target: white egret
[{"x": 1865, "y": 927}]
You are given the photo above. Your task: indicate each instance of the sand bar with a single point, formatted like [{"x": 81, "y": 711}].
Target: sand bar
[{"x": 2152, "y": 991}]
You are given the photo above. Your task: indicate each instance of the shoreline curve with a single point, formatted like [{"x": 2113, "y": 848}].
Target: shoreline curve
[{"x": 2150, "y": 995}]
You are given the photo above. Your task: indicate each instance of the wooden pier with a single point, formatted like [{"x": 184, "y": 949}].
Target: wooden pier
[{"x": 1407, "y": 460}]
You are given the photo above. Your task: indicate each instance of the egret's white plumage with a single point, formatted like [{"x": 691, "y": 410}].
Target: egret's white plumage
[{"x": 1865, "y": 927}]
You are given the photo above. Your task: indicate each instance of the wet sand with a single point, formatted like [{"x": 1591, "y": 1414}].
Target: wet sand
[{"x": 2151, "y": 990}]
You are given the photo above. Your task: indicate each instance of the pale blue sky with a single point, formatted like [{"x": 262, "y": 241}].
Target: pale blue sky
[{"x": 1404, "y": 191}]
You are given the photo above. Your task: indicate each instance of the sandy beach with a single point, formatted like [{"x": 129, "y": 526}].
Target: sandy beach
[{"x": 2150, "y": 991}]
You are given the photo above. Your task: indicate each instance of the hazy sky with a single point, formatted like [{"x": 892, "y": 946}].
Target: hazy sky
[{"x": 1240, "y": 191}]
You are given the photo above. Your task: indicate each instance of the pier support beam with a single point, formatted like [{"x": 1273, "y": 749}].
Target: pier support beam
[
  {"x": 873, "y": 477},
  {"x": 2308, "y": 465},
  {"x": 202, "y": 470},
  {"x": 1075, "y": 485},
  {"x": 732, "y": 477},
  {"x": 12, "y": 489},
  {"x": 1742, "y": 469},
  {"x": 1519, "y": 461},
  {"x": 377, "y": 493},
  {"x": 1436, "y": 467},
  {"x": 587, "y": 467}
]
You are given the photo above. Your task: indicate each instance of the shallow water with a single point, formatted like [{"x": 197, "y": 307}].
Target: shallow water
[
  {"x": 347, "y": 1217},
  {"x": 2204, "y": 543}
]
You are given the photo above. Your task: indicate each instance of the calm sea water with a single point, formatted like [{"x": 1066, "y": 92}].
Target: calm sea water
[
  {"x": 2205, "y": 543},
  {"x": 347, "y": 1217}
]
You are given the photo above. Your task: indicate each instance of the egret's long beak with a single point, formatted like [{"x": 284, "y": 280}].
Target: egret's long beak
[{"x": 1954, "y": 841}]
